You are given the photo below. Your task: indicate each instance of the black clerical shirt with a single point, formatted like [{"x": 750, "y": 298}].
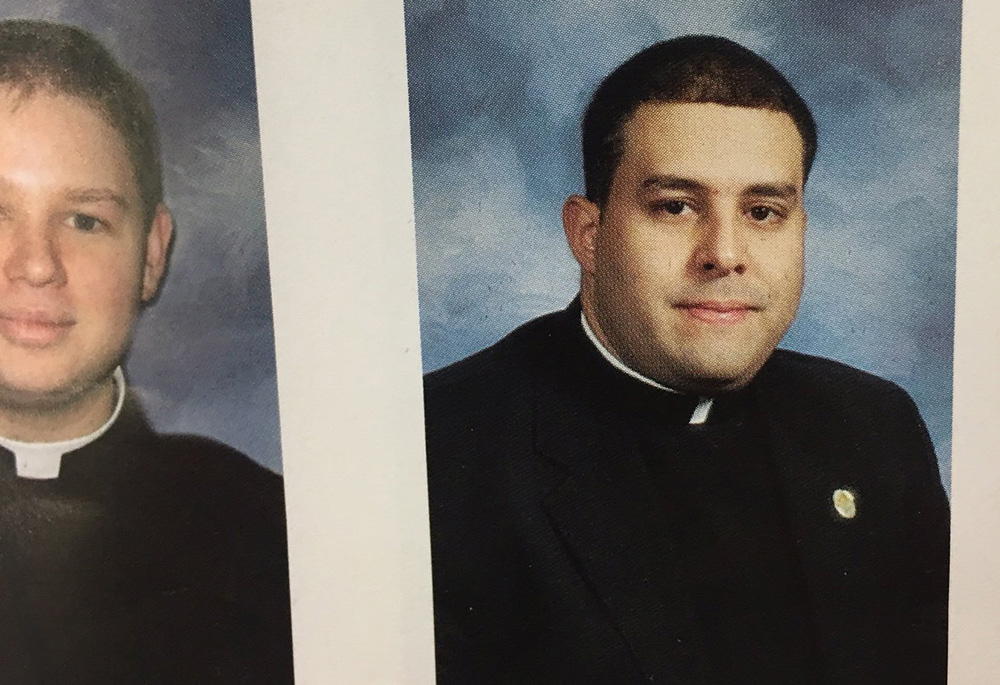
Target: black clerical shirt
[{"x": 732, "y": 542}]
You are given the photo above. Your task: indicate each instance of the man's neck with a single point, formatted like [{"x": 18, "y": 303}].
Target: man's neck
[
  {"x": 599, "y": 342},
  {"x": 81, "y": 416},
  {"x": 701, "y": 410}
]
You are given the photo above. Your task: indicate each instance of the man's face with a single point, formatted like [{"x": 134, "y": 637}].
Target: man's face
[
  {"x": 693, "y": 271},
  {"x": 75, "y": 255}
]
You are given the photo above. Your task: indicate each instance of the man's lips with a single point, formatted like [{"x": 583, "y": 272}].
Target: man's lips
[
  {"x": 34, "y": 328},
  {"x": 718, "y": 311}
]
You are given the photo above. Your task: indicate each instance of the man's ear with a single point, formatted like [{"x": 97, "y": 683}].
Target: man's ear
[
  {"x": 157, "y": 248},
  {"x": 581, "y": 219}
]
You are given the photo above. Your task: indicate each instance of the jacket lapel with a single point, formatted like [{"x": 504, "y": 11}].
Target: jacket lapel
[
  {"x": 814, "y": 457},
  {"x": 609, "y": 516}
]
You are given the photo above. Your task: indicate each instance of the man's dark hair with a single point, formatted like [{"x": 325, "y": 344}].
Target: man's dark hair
[
  {"x": 43, "y": 56},
  {"x": 690, "y": 69}
]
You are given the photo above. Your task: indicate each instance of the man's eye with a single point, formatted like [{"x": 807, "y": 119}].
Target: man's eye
[
  {"x": 672, "y": 206},
  {"x": 85, "y": 222},
  {"x": 761, "y": 213}
]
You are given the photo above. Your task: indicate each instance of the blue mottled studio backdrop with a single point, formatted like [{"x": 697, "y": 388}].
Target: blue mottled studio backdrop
[
  {"x": 203, "y": 356},
  {"x": 496, "y": 93}
]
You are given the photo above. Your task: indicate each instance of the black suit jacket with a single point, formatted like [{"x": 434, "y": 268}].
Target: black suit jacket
[
  {"x": 151, "y": 559},
  {"x": 552, "y": 553}
]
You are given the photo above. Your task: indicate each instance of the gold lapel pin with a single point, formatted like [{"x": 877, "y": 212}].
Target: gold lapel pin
[{"x": 845, "y": 504}]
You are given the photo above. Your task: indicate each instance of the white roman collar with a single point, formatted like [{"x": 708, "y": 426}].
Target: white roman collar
[
  {"x": 700, "y": 413},
  {"x": 41, "y": 460}
]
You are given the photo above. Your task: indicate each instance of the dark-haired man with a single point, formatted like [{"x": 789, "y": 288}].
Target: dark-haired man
[
  {"x": 125, "y": 556},
  {"x": 640, "y": 488}
]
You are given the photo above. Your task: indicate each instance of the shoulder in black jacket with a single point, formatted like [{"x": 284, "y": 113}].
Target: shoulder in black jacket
[
  {"x": 151, "y": 559},
  {"x": 552, "y": 558}
]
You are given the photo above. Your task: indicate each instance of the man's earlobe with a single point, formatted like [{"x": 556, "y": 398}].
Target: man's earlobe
[
  {"x": 581, "y": 219},
  {"x": 157, "y": 249}
]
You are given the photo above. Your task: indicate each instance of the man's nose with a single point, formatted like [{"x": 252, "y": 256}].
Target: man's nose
[
  {"x": 721, "y": 245},
  {"x": 33, "y": 255}
]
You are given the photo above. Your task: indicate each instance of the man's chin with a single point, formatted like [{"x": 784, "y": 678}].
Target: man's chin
[
  {"x": 712, "y": 386},
  {"x": 42, "y": 395},
  {"x": 710, "y": 378}
]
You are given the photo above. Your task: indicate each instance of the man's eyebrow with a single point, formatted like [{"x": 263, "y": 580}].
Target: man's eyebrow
[
  {"x": 96, "y": 195},
  {"x": 667, "y": 182},
  {"x": 782, "y": 191}
]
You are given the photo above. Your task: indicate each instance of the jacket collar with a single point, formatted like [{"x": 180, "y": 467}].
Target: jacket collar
[{"x": 609, "y": 513}]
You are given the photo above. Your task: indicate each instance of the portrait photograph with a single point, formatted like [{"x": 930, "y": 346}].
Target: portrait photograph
[
  {"x": 620, "y": 214},
  {"x": 142, "y": 512}
]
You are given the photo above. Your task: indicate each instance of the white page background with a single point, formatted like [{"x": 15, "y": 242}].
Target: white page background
[{"x": 335, "y": 150}]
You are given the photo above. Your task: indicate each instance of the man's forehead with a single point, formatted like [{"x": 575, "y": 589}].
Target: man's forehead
[
  {"x": 62, "y": 144},
  {"x": 708, "y": 115},
  {"x": 666, "y": 143}
]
